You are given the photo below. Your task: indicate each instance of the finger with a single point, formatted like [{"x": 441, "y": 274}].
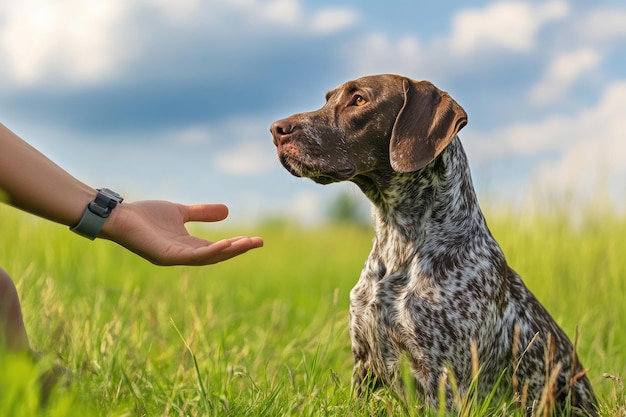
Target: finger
[
  {"x": 224, "y": 249},
  {"x": 240, "y": 247},
  {"x": 247, "y": 240},
  {"x": 228, "y": 254},
  {"x": 236, "y": 245},
  {"x": 206, "y": 254},
  {"x": 205, "y": 212}
]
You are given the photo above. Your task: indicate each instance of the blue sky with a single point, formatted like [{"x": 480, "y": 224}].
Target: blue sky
[{"x": 173, "y": 99}]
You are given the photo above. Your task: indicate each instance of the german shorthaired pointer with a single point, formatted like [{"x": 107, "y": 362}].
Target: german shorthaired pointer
[{"x": 436, "y": 286}]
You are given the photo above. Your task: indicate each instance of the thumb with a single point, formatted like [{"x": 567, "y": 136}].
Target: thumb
[{"x": 205, "y": 212}]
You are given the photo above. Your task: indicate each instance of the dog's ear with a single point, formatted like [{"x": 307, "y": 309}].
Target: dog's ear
[{"x": 425, "y": 125}]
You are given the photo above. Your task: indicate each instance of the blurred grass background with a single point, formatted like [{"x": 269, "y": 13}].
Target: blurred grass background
[{"x": 266, "y": 334}]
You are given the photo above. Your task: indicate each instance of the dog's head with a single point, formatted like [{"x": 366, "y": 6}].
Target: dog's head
[{"x": 373, "y": 123}]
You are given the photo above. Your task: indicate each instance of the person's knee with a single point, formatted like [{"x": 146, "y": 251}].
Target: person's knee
[
  {"x": 12, "y": 331},
  {"x": 9, "y": 299},
  {"x": 3, "y": 274},
  {"x": 7, "y": 287}
]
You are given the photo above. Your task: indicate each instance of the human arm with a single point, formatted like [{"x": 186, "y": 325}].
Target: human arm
[
  {"x": 153, "y": 229},
  {"x": 35, "y": 184}
]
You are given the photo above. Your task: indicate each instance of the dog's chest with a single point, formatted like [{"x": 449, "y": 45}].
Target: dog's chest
[
  {"x": 406, "y": 309},
  {"x": 393, "y": 304}
]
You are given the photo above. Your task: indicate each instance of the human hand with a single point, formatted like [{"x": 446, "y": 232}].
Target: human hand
[{"x": 155, "y": 230}]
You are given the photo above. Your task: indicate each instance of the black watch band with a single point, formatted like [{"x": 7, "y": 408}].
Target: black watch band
[{"x": 96, "y": 213}]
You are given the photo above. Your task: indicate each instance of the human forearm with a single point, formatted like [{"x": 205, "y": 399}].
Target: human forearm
[{"x": 34, "y": 183}]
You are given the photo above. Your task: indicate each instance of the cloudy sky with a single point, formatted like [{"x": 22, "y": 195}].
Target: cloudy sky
[{"x": 173, "y": 98}]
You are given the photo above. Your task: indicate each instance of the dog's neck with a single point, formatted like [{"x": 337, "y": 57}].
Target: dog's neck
[{"x": 425, "y": 214}]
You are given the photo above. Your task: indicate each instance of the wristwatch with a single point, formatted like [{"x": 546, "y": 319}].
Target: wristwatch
[{"x": 96, "y": 213}]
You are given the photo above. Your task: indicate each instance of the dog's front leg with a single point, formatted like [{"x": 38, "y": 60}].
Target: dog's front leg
[{"x": 364, "y": 337}]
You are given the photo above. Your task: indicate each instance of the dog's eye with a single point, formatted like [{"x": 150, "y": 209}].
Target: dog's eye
[{"x": 359, "y": 101}]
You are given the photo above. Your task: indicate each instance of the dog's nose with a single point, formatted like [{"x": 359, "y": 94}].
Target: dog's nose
[{"x": 281, "y": 129}]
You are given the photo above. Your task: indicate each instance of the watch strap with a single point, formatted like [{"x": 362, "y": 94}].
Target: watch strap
[
  {"x": 89, "y": 225},
  {"x": 96, "y": 213}
]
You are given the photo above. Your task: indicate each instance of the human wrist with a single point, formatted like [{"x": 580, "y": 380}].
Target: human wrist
[{"x": 114, "y": 225}]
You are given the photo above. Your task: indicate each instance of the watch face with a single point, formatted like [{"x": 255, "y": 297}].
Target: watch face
[
  {"x": 111, "y": 194},
  {"x": 105, "y": 201}
]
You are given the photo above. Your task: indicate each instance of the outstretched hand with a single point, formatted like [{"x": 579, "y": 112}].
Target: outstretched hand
[{"x": 155, "y": 230}]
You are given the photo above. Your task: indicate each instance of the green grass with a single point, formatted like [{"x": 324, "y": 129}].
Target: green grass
[{"x": 266, "y": 334}]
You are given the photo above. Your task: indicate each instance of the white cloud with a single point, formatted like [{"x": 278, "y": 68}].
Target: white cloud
[
  {"x": 307, "y": 207},
  {"x": 246, "y": 158},
  {"x": 286, "y": 12},
  {"x": 508, "y": 25},
  {"x": 333, "y": 20},
  {"x": 586, "y": 167},
  {"x": 604, "y": 25},
  {"x": 192, "y": 135},
  {"x": 594, "y": 35},
  {"x": 75, "y": 42},
  {"x": 475, "y": 39},
  {"x": 587, "y": 147},
  {"x": 406, "y": 56},
  {"x": 177, "y": 12},
  {"x": 291, "y": 14},
  {"x": 564, "y": 70},
  {"x": 71, "y": 40}
]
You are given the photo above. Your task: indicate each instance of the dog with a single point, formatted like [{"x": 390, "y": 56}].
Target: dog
[{"x": 436, "y": 288}]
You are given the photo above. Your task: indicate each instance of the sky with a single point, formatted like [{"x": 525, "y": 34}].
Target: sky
[{"x": 173, "y": 99}]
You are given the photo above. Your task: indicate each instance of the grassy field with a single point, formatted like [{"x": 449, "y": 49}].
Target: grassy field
[{"x": 266, "y": 334}]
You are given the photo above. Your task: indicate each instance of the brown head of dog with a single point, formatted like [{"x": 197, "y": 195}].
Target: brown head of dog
[{"x": 374, "y": 124}]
